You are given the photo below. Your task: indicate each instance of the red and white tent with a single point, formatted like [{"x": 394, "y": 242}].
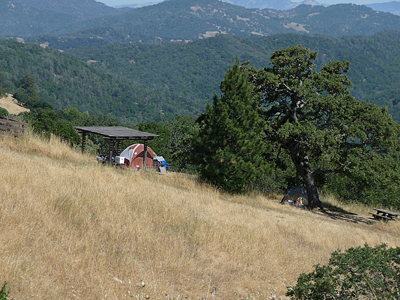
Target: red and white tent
[{"x": 134, "y": 156}]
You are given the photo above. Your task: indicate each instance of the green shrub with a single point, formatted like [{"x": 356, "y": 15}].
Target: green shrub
[
  {"x": 359, "y": 273},
  {"x": 3, "y": 112},
  {"x": 4, "y": 293}
]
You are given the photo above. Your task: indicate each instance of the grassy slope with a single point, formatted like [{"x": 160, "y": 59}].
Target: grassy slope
[
  {"x": 11, "y": 105},
  {"x": 70, "y": 228}
]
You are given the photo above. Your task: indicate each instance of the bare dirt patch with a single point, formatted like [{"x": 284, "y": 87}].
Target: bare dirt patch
[{"x": 297, "y": 27}]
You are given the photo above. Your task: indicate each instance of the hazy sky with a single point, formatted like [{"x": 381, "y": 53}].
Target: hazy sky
[{"x": 123, "y": 2}]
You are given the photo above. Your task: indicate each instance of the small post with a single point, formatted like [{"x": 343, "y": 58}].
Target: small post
[
  {"x": 119, "y": 147},
  {"x": 110, "y": 151},
  {"x": 83, "y": 142},
  {"x": 145, "y": 155}
]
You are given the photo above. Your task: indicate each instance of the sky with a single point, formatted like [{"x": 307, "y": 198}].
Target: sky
[{"x": 124, "y": 2}]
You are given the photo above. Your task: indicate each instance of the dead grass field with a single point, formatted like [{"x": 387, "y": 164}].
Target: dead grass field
[
  {"x": 73, "y": 229},
  {"x": 11, "y": 105}
]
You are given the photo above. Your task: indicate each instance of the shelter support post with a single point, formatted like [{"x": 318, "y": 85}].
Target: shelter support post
[
  {"x": 83, "y": 142},
  {"x": 145, "y": 155},
  {"x": 119, "y": 147},
  {"x": 110, "y": 151}
]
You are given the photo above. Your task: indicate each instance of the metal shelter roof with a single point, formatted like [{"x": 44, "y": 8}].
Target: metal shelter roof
[{"x": 117, "y": 133}]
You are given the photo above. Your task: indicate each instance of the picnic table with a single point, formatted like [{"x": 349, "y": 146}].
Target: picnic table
[{"x": 384, "y": 215}]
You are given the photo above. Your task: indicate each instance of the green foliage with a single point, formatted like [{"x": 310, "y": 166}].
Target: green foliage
[
  {"x": 2, "y": 91},
  {"x": 28, "y": 95},
  {"x": 321, "y": 126},
  {"x": 3, "y": 292},
  {"x": 3, "y": 112},
  {"x": 359, "y": 273},
  {"x": 61, "y": 123},
  {"x": 228, "y": 146},
  {"x": 62, "y": 81},
  {"x": 193, "y": 71},
  {"x": 141, "y": 83},
  {"x": 47, "y": 121}
]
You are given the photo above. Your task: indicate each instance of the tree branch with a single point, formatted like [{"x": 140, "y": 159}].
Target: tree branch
[{"x": 340, "y": 170}]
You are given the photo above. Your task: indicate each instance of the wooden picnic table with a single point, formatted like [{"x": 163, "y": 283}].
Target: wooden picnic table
[{"x": 384, "y": 215}]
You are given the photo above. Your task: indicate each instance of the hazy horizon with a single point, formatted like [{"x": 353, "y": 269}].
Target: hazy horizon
[{"x": 331, "y": 2}]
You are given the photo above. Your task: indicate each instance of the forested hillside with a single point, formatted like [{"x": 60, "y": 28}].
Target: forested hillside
[
  {"x": 193, "y": 71},
  {"x": 143, "y": 82},
  {"x": 65, "y": 82},
  {"x": 194, "y": 19},
  {"x": 82, "y": 9},
  {"x": 25, "y": 18},
  {"x": 272, "y": 4}
]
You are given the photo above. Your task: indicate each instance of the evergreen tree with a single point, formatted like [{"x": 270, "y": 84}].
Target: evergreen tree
[
  {"x": 2, "y": 92},
  {"x": 228, "y": 146},
  {"x": 27, "y": 91},
  {"x": 3, "y": 112}
]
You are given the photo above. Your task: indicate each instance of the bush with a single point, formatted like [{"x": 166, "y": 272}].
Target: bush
[
  {"x": 3, "y": 112},
  {"x": 359, "y": 273},
  {"x": 3, "y": 292}
]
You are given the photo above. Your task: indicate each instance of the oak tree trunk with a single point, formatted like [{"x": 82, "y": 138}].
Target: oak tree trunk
[{"x": 303, "y": 168}]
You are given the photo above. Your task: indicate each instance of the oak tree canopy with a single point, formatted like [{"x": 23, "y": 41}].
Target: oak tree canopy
[{"x": 313, "y": 116}]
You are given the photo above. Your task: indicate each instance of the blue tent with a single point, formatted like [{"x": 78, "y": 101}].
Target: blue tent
[{"x": 296, "y": 196}]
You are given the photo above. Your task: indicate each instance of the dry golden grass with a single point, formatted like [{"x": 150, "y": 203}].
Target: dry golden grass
[
  {"x": 11, "y": 105},
  {"x": 73, "y": 229}
]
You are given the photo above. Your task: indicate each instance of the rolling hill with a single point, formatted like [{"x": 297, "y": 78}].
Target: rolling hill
[
  {"x": 144, "y": 82},
  {"x": 23, "y": 18},
  {"x": 193, "y": 71},
  {"x": 195, "y": 19},
  {"x": 71, "y": 228},
  {"x": 66, "y": 82}
]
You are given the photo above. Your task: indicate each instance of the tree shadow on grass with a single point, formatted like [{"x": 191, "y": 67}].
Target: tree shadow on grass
[{"x": 338, "y": 213}]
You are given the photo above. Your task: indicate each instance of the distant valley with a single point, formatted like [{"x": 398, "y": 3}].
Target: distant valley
[{"x": 390, "y": 7}]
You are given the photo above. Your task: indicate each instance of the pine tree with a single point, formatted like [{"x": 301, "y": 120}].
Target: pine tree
[
  {"x": 229, "y": 145},
  {"x": 27, "y": 91}
]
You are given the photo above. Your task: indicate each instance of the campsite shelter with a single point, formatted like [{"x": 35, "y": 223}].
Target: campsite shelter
[{"x": 116, "y": 134}]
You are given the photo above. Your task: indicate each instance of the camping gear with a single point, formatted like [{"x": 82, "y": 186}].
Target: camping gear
[
  {"x": 134, "y": 155},
  {"x": 119, "y": 160},
  {"x": 158, "y": 161},
  {"x": 296, "y": 196}
]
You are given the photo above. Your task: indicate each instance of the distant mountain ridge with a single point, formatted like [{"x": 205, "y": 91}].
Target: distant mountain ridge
[
  {"x": 261, "y": 4},
  {"x": 271, "y": 4},
  {"x": 36, "y": 17},
  {"x": 194, "y": 19},
  {"x": 390, "y": 7},
  {"x": 81, "y": 9}
]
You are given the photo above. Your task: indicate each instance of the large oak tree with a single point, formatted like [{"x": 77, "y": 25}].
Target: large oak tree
[{"x": 313, "y": 117}]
